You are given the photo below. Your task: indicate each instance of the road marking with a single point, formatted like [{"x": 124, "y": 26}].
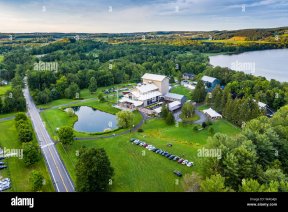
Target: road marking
[{"x": 46, "y": 145}]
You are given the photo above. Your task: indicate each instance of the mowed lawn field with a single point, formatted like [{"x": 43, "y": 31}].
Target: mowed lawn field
[
  {"x": 1, "y": 58},
  {"x": 17, "y": 171},
  {"x": 4, "y": 89},
  {"x": 182, "y": 91},
  {"x": 138, "y": 169}
]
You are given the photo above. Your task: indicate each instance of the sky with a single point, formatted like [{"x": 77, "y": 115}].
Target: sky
[{"x": 117, "y": 16}]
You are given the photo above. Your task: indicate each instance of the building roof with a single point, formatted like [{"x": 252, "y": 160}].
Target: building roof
[
  {"x": 174, "y": 96},
  {"x": 158, "y": 110},
  {"x": 174, "y": 105},
  {"x": 154, "y": 77},
  {"x": 147, "y": 88},
  {"x": 149, "y": 96},
  {"x": 135, "y": 103},
  {"x": 208, "y": 79},
  {"x": 212, "y": 113}
]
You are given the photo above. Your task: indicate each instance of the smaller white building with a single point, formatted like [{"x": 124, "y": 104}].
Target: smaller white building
[{"x": 212, "y": 114}]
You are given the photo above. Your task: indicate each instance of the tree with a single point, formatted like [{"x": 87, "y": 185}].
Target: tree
[
  {"x": 187, "y": 110},
  {"x": 199, "y": 93},
  {"x": 31, "y": 153},
  {"x": 250, "y": 185},
  {"x": 66, "y": 135},
  {"x": 69, "y": 111},
  {"x": 101, "y": 97},
  {"x": 125, "y": 119},
  {"x": 36, "y": 180},
  {"x": 93, "y": 171},
  {"x": 192, "y": 182},
  {"x": 92, "y": 85},
  {"x": 170, "y": 120},
  {"x": 25, "y": 134},
  {"x": 164, "y": 111},
  {"x": 71, "y": 91},
  {"x": 215, "y": 183},
  {"x": 21, "y": 116}
]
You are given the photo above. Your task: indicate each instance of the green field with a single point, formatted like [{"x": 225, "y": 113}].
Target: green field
[
  {"x": 17, "y": 171},
  {"x": 138, "y": 169},
  {"x": 182, "y": 91},
  {"x": 1, "y": 58},
  {"x": 4, "y": 89}
]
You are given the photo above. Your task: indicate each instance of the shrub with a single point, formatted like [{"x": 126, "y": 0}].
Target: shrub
[
  {"x": 204, "y": 125},
  {"x": 140, "y": 130}
]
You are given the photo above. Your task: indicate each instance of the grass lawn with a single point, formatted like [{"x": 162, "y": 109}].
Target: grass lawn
[
  {"x": 203, "y": 107},
  {"x": 7, "y": 115},
  {"x": 138, "y": 169},
  {"x": 182, "y": 91},
  {"x": 4, "y": 89},
  {"x": 17, "y": 171}
]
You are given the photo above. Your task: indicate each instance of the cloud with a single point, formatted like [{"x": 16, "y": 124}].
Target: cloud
[{"x": 139, "y": 15}]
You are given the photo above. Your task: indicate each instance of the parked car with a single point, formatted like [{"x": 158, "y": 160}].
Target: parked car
[
  {"x": 189, "y": 164},
  {"x": 176, "y": 158},
  {"x": 154, "y": 150},
  {"x": 185, "y": 162},
  {"x": 180, "y": 160},
  {"x": 145, "y": 145},
  {"x": 178, "y": 173},
  {"x": 158, "y": 151},
  {"x": 3, "y": 167},
  {"x": 142, "y": 144},
  {"x": 168, "y": 155},
  {"x": 170, "y": 145},
  {"x": 132, "y": 139},
  {"x": 171, "y": 157},
  {"x": 2, "y": 163},
  {"x": 2, "y": 158}
]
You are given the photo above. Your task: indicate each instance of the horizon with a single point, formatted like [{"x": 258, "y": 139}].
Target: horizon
[
  {"x": 168, "y": 31},
  {"x": 127, "y": 16}
]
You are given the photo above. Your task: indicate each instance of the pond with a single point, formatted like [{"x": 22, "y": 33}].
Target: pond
[
  {"x": 271, "y": 64},
  {"x": 91, "y": 120}
]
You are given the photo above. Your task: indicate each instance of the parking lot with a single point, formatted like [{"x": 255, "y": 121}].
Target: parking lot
[
  {"x": 4, "y": 183},
  {"x": 166, "y": 154}
]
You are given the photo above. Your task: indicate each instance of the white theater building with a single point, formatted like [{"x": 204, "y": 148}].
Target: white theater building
[{"x": 152, "y": 88}]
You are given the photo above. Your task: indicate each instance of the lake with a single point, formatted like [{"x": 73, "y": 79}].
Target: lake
[
  {"x": 91, "y": 120},
  {"x": 272, "y": 64}
]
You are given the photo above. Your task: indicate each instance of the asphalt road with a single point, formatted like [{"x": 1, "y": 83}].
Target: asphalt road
[{"x": 60, "y": 176}]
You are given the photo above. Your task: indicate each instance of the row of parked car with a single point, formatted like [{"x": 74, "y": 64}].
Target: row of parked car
[
  {"x": 2, "y": 164},
  {"x": 162, "y": 152},
  {"x": 5, "y": 183}
]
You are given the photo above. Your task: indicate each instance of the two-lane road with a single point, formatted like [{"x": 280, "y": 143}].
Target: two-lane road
[{"x": 59, "y": 174}]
